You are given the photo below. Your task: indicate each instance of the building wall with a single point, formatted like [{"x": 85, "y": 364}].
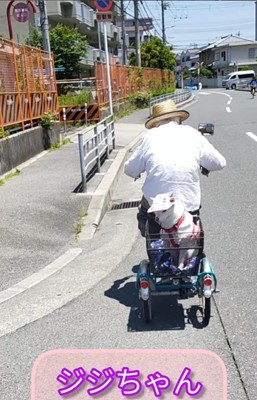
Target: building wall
[{"x": 228, "y": 59}]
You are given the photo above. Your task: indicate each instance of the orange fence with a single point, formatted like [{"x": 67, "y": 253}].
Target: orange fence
[
  {"x": 128, "y": 80},
  {"x": 27, "y": 84}
]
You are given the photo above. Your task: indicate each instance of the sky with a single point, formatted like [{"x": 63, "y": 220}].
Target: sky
[{"x": 197, "y": 23}]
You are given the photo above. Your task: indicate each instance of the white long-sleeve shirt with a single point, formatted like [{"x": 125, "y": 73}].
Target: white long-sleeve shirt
[{"x": 171, "y": 156}]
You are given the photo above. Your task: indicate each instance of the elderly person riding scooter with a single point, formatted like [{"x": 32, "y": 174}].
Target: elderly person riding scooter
[{"x": 172, "y": 155}]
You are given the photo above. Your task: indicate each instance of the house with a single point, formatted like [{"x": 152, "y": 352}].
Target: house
[
  {"x": 145, "y": 27},
  {"x": 186, "y": 61},
  {"x": 189, "y": 57},
  {"x": 228, "y": 54}
]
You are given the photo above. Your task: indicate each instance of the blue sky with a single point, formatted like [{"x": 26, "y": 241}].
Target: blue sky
[{"x": 191, "y": 23}]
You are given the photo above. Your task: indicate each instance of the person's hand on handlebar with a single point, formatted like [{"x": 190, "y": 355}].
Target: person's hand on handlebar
[{"x": 204, "y": 171}]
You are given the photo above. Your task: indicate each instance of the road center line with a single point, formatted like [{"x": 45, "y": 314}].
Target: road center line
[
  {"x": 228, "y": 109},
  {"x": 251, "y": 135}
]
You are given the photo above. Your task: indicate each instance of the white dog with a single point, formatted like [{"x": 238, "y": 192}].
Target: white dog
[{"x": 177, "y": 225}]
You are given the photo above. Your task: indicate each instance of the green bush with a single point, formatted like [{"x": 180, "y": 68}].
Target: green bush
[
  {"x": 160, "y": 91},
  {"x": 4, "y": 133},
  {"x": 140, "y": 99},
  {"x": 47, "y": 120},
  {"x": 74, "y": 99}
]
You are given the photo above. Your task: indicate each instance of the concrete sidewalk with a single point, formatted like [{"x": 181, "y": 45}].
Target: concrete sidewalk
[{"x": 41, "y": 214}]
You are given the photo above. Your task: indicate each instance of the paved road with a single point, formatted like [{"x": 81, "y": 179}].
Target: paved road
[{"x": 95, "y": 304}]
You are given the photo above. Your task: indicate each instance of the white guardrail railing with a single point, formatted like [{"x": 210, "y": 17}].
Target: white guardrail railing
[
  {"x": 95, "y": 144},
  {"x": 178, "y": 96}
]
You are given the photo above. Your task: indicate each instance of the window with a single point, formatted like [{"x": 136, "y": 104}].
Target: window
[
  {"x": 244, "y": 76},
  {"x": 217, "y": 56},
  {"x": 251, "y": 53},
  {"x": 223, "y": 55}
]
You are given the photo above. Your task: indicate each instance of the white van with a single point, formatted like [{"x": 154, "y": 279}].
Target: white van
[{"x": 237, "y": 79}]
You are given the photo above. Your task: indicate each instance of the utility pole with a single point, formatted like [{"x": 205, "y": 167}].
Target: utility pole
[
  {"x": 256, "y": 20},
  {"x": 137, "y": 36},
  {"x": 163, "y": 23},
  {"x": 124, "y": 47},
  {"x": 99, "y": 40},
  {"x": 44, "y": 25}
]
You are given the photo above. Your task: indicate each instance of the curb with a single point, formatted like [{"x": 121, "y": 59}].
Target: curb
[{"x": 101, "y": 199}]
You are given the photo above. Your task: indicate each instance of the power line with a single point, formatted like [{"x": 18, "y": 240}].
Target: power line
[{"x": 154, "y": 19}]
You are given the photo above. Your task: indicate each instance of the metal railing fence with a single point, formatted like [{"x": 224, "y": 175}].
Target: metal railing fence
[
  {"x": 178, "y": 96},
  {"x": 127, "y": 80},
  {"x": 27, "y": 84},
  {"x": 95, "y": 144}
]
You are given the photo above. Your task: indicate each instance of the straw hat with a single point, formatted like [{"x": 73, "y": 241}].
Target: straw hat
[{"x": 165, "y": 110}]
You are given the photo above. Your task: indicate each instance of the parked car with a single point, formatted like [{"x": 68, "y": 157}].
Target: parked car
[{"x": 238, "y": 79}]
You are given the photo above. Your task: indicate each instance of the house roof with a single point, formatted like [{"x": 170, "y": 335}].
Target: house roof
[{"x": 230, "y": 40}]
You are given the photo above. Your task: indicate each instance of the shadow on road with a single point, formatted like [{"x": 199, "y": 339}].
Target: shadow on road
[{"x": 167, "y": 313}]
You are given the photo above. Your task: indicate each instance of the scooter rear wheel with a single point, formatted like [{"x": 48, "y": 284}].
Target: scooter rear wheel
[
  {"x": 206, "y": 310},
  {"x": 147, "y": 310}
]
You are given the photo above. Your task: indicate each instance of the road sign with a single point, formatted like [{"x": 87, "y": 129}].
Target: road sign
[
  {"x": 103, "y": 5},
  {"x": 104, "y": 16},
  {"x": 21, "y": 12}
]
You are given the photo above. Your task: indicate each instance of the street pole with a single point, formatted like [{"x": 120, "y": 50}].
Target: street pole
[
  {"x": 137, "y": 37},
  {"x": 256, "y": 20},
  {"x": 163, "y": 23},
  {"x": 124, "y": 48},
  {"x": 44, "y": 25},
  {"x": 108, "y": 69},
  {"x": 99, "y": 39}
]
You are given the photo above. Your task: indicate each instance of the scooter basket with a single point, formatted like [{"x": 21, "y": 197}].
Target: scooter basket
[{"x": 165, "y": 251}]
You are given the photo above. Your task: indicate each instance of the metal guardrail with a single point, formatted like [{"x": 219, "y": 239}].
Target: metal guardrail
[
  {"x": 179, "y": 96},
  {"x": 94, "y": 144}
]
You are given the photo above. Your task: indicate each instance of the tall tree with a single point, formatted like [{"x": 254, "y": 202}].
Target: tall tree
[
  {"x": 155, "y": 54},
  {"x": 68, "y": 46}
]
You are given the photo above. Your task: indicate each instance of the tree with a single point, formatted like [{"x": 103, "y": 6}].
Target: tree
[
  {"x": 155, "y": 54},
  {"x": 201, "y": 70},
  {"x": 35, "y": 38},
  {"x": 68, "y": 46}
]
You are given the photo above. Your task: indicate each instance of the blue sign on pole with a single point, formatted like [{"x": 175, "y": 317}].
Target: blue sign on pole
[
  {"x": 103, "y": 5},
  {"x": 60, "y": 69}
]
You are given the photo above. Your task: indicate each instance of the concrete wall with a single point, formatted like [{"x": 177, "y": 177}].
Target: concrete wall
[
  {"x": 211, "y": 82},
  {"x": 20, "y": 147}
]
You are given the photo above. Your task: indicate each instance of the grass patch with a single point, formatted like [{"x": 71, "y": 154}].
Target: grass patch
[
  {"x": 124, "y": 113},
  {"x": 56, "y": 146},
  {"x": 79, "y": 224},
  {"x": 78, "y": 227},
  {"x": 9, "y": 176},
  {"x": 74, "y": 99}
]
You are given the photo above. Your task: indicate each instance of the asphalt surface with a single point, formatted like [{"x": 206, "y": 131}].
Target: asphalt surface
[
  {"x": 40, "y": 209},
  {"x": 92, "y": 302}
]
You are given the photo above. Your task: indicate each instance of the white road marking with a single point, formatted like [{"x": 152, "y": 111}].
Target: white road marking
[
  {"x": 39, "y": 276},
  {"x": 251, "y": 135},
  {"x": 224, "y": 94}
]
